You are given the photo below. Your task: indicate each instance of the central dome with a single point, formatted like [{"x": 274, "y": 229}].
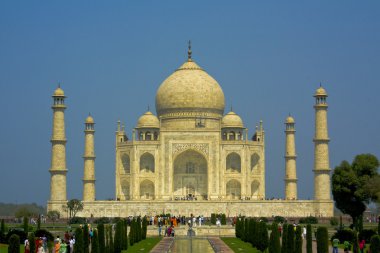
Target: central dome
[{"x": 189, "y": 89}]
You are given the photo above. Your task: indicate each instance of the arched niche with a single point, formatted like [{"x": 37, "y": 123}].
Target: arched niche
[
  {"x": 233, "y": 163},
  {"x": 126, "y": 163},
  {"x": 147, "y": 190},
  {"x": 126, "y": 189},
  {"x": 147, "y": 163},
  {"x": 255, "y": 189},
  {"x": 190, "y": 175},
  {"x": 255, "y": 159},
  {"x": 233, "y": 189}
]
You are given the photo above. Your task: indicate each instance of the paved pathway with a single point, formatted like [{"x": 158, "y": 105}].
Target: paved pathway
[
  {"x": 218, "y": 245},
  {"x": 163, "y": 246}
]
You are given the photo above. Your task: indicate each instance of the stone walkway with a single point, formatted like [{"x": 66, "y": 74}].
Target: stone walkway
[
  {"x": 163, "y": 246},
  {"x": 218, "y": 245}
]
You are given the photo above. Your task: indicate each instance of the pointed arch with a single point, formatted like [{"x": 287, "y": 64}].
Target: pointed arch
[
  {"x": 147, "y": 189},
  {"x": 147, "y": 163},
  {"x": 255, "y": 186},
  {"x": 233, "y": 189},
  {"x": 125, "y": 160},
  {"x": 255, "y": 159},
  {"x": 126, "y": 189},
  {"x": 233, "y": 162}
]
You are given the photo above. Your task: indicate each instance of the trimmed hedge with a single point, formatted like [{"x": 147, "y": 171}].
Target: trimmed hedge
[
  {"x": 274, "y": 240},
  {"x": 309, "y": 239},
  {"x": 14, "y": 244},
  {"x": 322, "y": 240},
  {"x": 309, "y": 220}
]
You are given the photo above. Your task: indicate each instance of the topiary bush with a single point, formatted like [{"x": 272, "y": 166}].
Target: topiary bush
[
  {"x": 334, "y": 221},
  {"x": 322, "y": 240},
  {"x": 309, "y": 239},
  {"x": 263, "y": 237},
  {"x": 309, "y": 220},
  {"x": 78, "y": 246},
  {"x": 21, "y": 234},
  {"x": 14, "y": 244},
  {"x": 223, "y": 219},
  {"x": 298, "y": 240},
  {"x": 32, "y": 242},
  {"x": 213, "y": 218},
  {"x": 366, "y": 234},
  {"x": 274, "y": 240},
  {"x": 375, "y": 244},
  {"x": 77, "y": 220},
  {"x": 284, "y": 241},
  {"x": 279, "y": 219},
  {"x": 290, "y": 239},
  {"x": 86, "y": 239},
  {"x": 344, "y": 235}
]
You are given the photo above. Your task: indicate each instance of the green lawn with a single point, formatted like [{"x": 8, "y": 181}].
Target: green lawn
[
  {"x": 143, "y": 246},
  {"x": 4, "y": 248},
  {"x": 238, "y": 245}
]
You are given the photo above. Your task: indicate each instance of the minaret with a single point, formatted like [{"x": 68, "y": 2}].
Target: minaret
[
  {"x": 321, "y": 148},
  {"x": 290, "y": 160},
  {"x": 58, "y": 152},
  {"x": 89, "y": 161}
]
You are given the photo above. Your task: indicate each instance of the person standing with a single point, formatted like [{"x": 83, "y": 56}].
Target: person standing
[
  {"x": 335, "y": 244},
  {"x": 347, "y": 246}
]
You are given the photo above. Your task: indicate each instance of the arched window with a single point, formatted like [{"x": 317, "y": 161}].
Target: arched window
[
  {"x": 231, "y": 136},
  {"x": 147, "y": 163},
  {"x": 233, "y": 163},
  {"x": 233, "y": 189},
  {"x": 148, "y": 136},
  {"x": 255, "y": 158},
  {"x": 126, "y": 163}
]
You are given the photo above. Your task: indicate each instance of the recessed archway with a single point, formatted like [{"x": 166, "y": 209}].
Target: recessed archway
[
  {"x": 146, "y": 189},
  {"x": 190, "y": 175},
  {"x": 233, "y": 189}
]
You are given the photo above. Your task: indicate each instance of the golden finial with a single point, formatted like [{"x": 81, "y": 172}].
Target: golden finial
[
  {"x": 189, "y": 51},
  {"x": 148, "y": 108}
]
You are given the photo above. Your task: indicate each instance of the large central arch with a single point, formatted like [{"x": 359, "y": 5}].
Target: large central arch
[{"x": 190, "y": 175}]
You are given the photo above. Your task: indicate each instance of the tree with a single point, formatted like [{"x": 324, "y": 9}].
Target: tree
[
  {"x": 125, "y": 235},
  {"x": 53, "y": 215},
  {"x": 14, "y": 244},
  {"x": 375, "y": 244},
  {"x": 95, "y": 242},
  {"x": 23, "y": 212},
  {"x": 118, "y": 237},
  {"x": 101, "y": 236},
  {"x": 78, "y": 246},
  {"x": 274, "y": 240},
  {"x": 74, "y": 206},
  {"x": 284, "y": 241},
  {"x": 263, "y": 235},
  {"x": 2, "y": 228},
  {"x": 32, "y": 242},
  {"x": 322, "y": 240},
  {"x": 290, "y": 239},
  {"x": 86, "y": 239},
  {"x": 298, "y": 240},
  {"x": 144, "y": 228},
  {"x": 309, "y": 239},
  {"x": 39, "y": 222},
  {"x": 350, "y": 183},
  {"x": 111, "y": 242},
  {"x": 26, "y": 224}
]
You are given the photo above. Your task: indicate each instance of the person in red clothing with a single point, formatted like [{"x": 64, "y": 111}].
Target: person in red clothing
[{"x": 362, "y": 246}]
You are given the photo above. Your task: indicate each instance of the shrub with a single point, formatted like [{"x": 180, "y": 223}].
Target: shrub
[
  {"x": 298, "y": 240},
  {"x": 26, "y": 225},
  {"x": 101, "y": 238},
  {"x": 334, "y": 221},
  {"x": 118, "y": 234},
  {"x": 144, "y": 228},
  {"x": 95, "y": 242},
  {"x": 21, "y": 234},
  {"x": 77, "y": 220},
  {"x": 223, "y": 219},
  {"x": 32, "y": 242},
  {"x": 86, "y": 239},
  {"x": 263, "y": 236},
  {"x": 309, "y": 239},
  {"x": 366, "y": 234},
  {"x": 78, "y": 246},
  {"x": 309, "y": 220},
  {"x": 279, "y": 219},
  {"x": 375, "y": 244},
  {"x": 284, "y": 238},
  {"x": 344, "y": 235},
  {"x": 290, "y": 239},
  {"x": 246, "y": 236},
  {"x": 322, "y": 240},
  {"x": 274, "y": 240},
  {"x": 14, "y": 244},
  {"x": 213, "y": 218},
  {"x": 102, "y": 220},
  {"x": 44, "y": 232}
]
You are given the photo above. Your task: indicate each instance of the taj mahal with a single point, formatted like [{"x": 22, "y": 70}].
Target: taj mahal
[{"x": 192, "y": 157}]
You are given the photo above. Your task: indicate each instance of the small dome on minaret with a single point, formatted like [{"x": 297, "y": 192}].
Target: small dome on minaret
[
  {"x": 320, "y": 92},
  {"x": 59, "y": 92},
  {"x": 89, "y": 120},
  {"x": 289, "y": 120}
]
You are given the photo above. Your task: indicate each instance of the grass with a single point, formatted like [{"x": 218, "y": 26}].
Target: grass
[
  {"x": 4, "y": 248},
  {"x": 143, "y": 246},
  {"x": 238, "y": 245}
]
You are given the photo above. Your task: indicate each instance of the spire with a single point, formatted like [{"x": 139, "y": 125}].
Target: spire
[{"x": 189, "y": 52}]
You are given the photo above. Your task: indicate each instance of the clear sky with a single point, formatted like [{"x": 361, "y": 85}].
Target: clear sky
[{"x": 111, "y": 56}]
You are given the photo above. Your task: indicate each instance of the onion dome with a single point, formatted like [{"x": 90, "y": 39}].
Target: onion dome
[
  {"x": 289, "y": 120},
  {"x": 89, "y": 120},
  {"x": 232, "y": 120},
  {"x": 189, "y": 89},
  {"x": 320, "y": 92},
  {"x": 148, "y": 120}
]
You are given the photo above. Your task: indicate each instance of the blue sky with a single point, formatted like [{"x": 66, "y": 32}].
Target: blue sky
[{"x": 111, "y": 56}]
